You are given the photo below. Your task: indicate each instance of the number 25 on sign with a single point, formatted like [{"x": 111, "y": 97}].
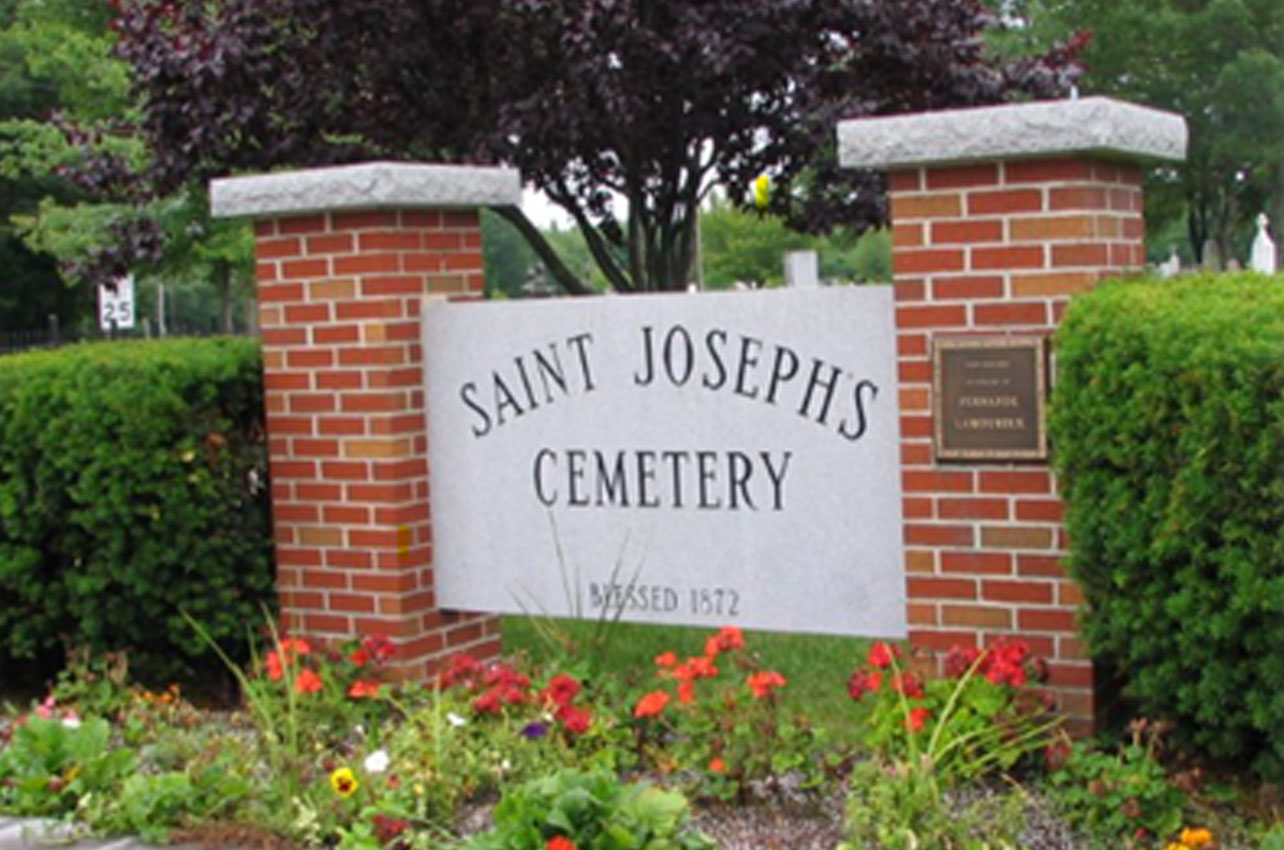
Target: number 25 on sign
[{"x": 116, "y": 304}]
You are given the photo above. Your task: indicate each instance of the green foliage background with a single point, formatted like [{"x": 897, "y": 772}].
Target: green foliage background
[
  {"x": 133, "y": 484},
  {"x": 1168, "y": 428}
]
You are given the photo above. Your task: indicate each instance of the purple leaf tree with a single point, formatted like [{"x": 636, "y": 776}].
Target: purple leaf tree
[{"x": 625, "y": 112}]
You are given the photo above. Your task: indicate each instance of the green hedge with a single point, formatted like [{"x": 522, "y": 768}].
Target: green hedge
[
  {"x": 133, "y": 485},
  {"x": 1168, "y": 429}
]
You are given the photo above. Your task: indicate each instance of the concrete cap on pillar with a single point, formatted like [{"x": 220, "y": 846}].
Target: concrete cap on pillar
[
  {"x": 367, "y": 186},
  {"x": 1097, "y": 126}
]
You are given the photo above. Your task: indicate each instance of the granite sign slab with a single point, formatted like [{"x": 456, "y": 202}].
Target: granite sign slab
[
  {"x": 709, "y": 459},
  {"x": 990, "y": 398}
]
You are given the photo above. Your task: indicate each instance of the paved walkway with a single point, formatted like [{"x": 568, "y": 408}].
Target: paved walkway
[{"x": 34, "y": 834}]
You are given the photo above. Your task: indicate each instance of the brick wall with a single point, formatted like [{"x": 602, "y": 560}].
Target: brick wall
[
  {"x": 996, "y": 249},
  {"x": 340, "y": 296}
]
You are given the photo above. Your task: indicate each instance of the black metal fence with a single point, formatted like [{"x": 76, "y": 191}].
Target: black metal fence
[{"x": 50, "y": 336}]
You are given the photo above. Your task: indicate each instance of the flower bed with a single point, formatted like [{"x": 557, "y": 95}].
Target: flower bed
[{"x": 325, "y": 752}]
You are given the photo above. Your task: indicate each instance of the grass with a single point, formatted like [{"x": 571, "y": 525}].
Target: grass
[{"x": 816, "y": 666}]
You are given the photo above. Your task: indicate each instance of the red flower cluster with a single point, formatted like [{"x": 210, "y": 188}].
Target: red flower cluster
[
  {"x": 884, "y": 657},
  {"x": 499, "y": 685},
  {"x": 728, "y": 639},
  {"x": 376, "y": 649},
  {"x": 764, "y": 682},
  {"x": 863, "y": 681},
  {"x": 561, "y": 690},
  {"x": 372, "y": 652},
  {"x": 464, "y": 671},
  {"x": 1003, "y": 663},
  {"x": 1007, "y": 663},
  {"x": 387, "y": 828},
  {"x": 504, "y": 686},
  {"x": 558, "y": 695},
  {"x": 291, "y": 649},
  {"x": 287, "y": 657}
]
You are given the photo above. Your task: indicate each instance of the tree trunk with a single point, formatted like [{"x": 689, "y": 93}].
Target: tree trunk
[{"x": 223, "y": 278}]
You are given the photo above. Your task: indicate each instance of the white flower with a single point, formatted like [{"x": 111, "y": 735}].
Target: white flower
[
  {"x": 454, "y": 719},
  {"x": 376, "y": 762},
  {"x": 71, "y": 721}
]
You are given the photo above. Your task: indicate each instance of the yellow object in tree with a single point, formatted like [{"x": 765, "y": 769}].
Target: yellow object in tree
[{"x": 762, "y": 191}]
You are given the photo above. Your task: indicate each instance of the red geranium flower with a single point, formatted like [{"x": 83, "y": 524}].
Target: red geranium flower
[
  {"x": 488, "y": 703},
  {"x": 561, "y": 690},
  {"x": 686, "y": 691},
  {"x": 717, "y": 765},
  {"x": 559, "y": 842},
  {"x": 307, "y": 682},
  {"x": 958, "y": 660},
  {"x": 728, "y": 638},
  {"x": 275, "y": 669},
  {"x": 651, "y": 704},
  {"x": 574, "y": 720},
  {"x": 916, "y": 718},
  {"x": 880, "y": 655},
  {"x": 386, "y": 827},
  {"x": 463, "y": 670},
  {"x": 908, "y": 685},
  {"x": 363, "y": 688},
  {"x": 856, "y": 684},
  {"x": 666, "y": 659},
  {"x": 379, "y": 647},
  {"x": 764, "y": 682},
  {"x": 701, "y": 668}
]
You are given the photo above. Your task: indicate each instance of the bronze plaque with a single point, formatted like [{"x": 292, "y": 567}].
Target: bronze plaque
[{"x": 989, "y": 398}]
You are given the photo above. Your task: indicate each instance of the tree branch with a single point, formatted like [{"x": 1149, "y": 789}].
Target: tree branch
[
  {"x": 550, "y": 258},
  {"x": 601, "y": 255}
]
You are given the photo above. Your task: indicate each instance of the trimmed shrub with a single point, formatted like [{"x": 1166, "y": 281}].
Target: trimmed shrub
[
  {"x": 133, "y": 485},
  {"x": 1168, "y": 429}
]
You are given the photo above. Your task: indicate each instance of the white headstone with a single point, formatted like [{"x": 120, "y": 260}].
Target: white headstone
[
  {"x": 1170, "y": 266},
  {"x": 802, "y": 270},
  {"x": 1263, "y": 253},
  {"x": 1212, "y": 256},
  {"x": 720, "y": 458}
]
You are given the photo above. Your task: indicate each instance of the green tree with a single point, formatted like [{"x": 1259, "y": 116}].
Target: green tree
[
  {"x": 47, "y": 57},
  {"x": 508, "y": 257},
  {"x": 1219, "y": 63},
  {"x": 743, "y": 247},
  {"x": 59, "y": 68}
]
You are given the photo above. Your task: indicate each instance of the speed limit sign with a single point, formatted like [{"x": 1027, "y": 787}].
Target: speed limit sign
[{"x": 116, "y": 308}]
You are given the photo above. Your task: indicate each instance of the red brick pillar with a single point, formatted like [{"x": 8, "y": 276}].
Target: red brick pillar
[
  {"x": 345, "y": 257},
  {"x": 1000, "y": 215}
]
